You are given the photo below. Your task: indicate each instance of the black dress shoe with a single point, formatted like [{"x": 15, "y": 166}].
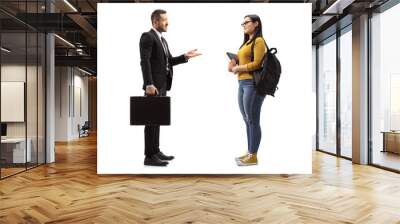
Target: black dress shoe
[
  {"x": 154, "y": 161},
  {"x": 161, "y": 156}
]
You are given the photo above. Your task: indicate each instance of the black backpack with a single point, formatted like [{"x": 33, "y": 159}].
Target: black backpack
[{"x": 267, "y": 77}]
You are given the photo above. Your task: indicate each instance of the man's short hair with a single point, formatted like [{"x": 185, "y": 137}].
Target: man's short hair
[{"x": 156, "y": 15}]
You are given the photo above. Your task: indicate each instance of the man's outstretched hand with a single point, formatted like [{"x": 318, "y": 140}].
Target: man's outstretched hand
[{"x": 192, "y": 54}]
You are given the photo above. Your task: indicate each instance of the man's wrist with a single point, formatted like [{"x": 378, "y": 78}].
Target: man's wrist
[{"x": 150, "y": 86}]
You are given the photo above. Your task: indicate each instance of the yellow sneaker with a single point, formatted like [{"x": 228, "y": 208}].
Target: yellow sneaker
[
  {"x": 241, "y": 157},
  {"x": 250, "y": 159}
]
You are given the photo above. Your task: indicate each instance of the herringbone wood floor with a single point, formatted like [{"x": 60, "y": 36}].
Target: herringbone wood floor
[{"x": 70, "y": 191}]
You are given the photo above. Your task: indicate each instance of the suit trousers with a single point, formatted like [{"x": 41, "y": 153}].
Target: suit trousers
[{"x": 152, "y": 133}]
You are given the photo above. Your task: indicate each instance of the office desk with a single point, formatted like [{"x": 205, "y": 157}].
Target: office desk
[
  {"x": 391, "y": 141},
  {"x": 13, "y": 150}
]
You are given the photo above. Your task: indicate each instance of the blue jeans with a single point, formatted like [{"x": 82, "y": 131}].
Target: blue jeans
[{"x": 250, "y": 106}]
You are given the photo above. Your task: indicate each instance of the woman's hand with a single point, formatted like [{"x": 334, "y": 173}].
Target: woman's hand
[
  {"x": 239, "y": 68},
  {"x": 235, "y": 69},
  {"x": 231, "y": 64}
]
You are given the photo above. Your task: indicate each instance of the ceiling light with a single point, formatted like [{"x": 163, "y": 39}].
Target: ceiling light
[
  {"x": 64, "y": 40},
  {"x": 86, "y": 72},
  {"x": 338, "y": 6},
  {"x": 70, "y": 5},
  {"x": 5, "y": 49}
]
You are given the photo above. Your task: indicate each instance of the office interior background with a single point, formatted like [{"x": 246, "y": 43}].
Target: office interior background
[{"x": 48, "y": 123}]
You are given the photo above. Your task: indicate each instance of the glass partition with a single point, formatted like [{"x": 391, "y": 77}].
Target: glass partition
[
  {"x": 22, "y": 63},
  {"x": 14, "y": 153}
]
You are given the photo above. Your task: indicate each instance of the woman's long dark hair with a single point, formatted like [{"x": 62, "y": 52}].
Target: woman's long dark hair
[{"x": 257, "y": 33}]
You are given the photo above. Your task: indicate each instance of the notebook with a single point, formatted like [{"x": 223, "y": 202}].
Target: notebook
[{"x": 232, "y": 56}]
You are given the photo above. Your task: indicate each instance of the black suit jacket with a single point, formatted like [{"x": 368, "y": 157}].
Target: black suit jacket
[{"x": 153, "y": 61}]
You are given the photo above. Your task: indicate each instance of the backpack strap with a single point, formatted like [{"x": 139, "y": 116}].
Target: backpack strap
[{"x": 253, "y": 43}]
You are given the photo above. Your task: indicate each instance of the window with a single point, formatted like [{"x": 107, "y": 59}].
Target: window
[
  {"x": 327, "y": 96},
  {"x": 346, "y": 75},
  {"x": 385, "y": 89}
]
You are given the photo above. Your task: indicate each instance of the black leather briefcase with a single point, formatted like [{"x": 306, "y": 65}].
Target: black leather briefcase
[{"x": 150, "y": 110}]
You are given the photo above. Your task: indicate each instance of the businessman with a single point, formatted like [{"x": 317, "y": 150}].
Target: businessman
[{"x": 157, "y": 63}]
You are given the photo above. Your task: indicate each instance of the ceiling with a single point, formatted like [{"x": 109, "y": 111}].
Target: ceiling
[{"x": 76, "y": 22}]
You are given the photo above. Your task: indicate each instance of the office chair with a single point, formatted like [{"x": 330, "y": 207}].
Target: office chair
[{"x": 84, "y": 130}]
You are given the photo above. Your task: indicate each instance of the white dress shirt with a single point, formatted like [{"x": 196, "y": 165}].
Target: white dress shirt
[{"x": 162, "y": 44}]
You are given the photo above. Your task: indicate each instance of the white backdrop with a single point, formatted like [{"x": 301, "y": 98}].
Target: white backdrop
[{"x": 207, "y": 130}]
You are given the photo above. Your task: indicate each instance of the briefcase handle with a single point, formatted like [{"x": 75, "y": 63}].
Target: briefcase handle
[{"x": 151, "y": 95}]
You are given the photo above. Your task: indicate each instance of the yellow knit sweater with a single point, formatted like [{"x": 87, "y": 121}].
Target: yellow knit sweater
[{"x": 244, "y": 56}]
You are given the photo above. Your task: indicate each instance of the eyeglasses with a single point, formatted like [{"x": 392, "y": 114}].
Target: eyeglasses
[{"x": 244, "y": 24}]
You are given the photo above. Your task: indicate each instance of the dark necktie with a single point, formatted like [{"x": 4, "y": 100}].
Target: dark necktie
[{"x": 165, "y": 46}]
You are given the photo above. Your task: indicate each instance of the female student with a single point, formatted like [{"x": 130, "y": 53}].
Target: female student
[{"x": 249, "y": 101}]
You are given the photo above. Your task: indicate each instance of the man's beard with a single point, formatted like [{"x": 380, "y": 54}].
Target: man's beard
[{"x": 160, "y": 29}]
